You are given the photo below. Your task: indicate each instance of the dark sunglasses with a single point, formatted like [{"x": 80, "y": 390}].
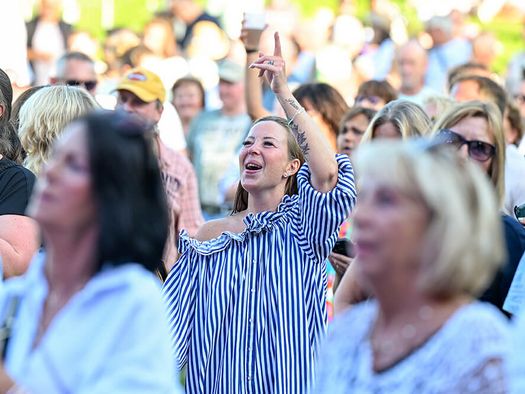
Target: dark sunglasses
[
  {"x": 477, "y": 150},
  {"x": 89, "y": 85}
]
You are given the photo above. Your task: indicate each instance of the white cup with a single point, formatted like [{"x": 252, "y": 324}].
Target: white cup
[
  {"x": 255, "y": 20},
  {"x": 254, "y": 23}
]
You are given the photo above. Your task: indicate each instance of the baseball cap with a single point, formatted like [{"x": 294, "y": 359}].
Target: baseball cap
[
  {"x": 230, "y": 71},
  {"x": 143, "y": 83}
]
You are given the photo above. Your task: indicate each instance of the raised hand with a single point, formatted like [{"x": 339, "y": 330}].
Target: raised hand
[{"x": 272, "y": 68}]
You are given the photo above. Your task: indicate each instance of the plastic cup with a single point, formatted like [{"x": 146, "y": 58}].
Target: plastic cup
[{"x": 254, "y": 23}]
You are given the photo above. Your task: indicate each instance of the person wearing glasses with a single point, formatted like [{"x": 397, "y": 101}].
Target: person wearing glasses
[
  {"x": 76, "y": 69},
  {"x": 428, "y": 240},
  {"x": 475, "y": 129},
  {"x": 475, "y": 87},
  {"x": 375, "y": 94}
]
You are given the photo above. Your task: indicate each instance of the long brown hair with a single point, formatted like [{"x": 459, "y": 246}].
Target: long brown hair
[
  {"x": 326, "y": 100},
  {"x": 240, "y": 203}
]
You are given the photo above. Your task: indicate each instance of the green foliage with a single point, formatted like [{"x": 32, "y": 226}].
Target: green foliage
[
  {"x": 308, "y": 7},
  {"x": 127, "y": 13},
  {"x": 90, "y": 16},
  {"x": 509, "y": 34}
]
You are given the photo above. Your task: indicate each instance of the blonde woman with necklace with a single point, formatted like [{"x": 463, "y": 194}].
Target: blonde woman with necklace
[{"x": 428, "y": 240}]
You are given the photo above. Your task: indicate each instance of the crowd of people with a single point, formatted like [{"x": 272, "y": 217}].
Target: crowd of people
[{"x": 203, "y": 214}]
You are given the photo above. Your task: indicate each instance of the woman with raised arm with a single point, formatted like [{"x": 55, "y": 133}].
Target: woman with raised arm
[{"x": 246, "y": 299}]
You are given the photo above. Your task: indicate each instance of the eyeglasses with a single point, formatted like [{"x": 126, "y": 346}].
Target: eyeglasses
[
  {"x": 520, "y": 98},
  {"x": 89, "y": 85},
  {"x": 373, "y": 99},
  {"x": 477, "y": 150}
]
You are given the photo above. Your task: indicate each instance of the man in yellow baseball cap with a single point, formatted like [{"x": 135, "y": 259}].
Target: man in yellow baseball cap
[{"x": 142, "y": 92}]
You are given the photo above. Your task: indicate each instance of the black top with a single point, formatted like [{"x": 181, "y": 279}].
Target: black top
[
  {"x": 65, "y": 28},
  {"x": 189, "y": 28},
  {"x": 16, "y": 185},
  {"x": 515, "y": 247}
]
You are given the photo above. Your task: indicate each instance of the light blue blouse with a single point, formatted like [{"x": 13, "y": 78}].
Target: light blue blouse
[
  {"x": 247, "y": 310},
  {"x": 111, "y": 337}
]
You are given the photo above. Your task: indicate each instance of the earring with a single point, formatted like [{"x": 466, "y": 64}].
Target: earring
[{"x": 286, "y": 175}]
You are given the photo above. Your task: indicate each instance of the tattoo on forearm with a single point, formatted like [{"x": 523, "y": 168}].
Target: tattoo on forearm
[
  {"x": 300, "y": 138},
  {"x": 293, "y": 102}
]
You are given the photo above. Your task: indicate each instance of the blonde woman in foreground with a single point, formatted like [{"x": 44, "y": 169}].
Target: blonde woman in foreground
[{"x": 428, "y": 240}]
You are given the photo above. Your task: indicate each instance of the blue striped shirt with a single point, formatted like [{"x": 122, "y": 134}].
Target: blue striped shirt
[{"x": 247, "y": 311}]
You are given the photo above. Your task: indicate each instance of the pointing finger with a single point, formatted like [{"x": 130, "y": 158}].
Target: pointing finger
[{"x": 277, "y": 50}]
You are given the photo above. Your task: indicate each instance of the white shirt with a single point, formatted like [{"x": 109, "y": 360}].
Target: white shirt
[
  {"x": 420, "y": 97},
  {"x": 516, "y": 359},
  {"x": 170, "y": 128},
  {"x": 13, "y": 57},
  {"x": 111, "y": 337},
  {"x": 47, "y": 39}
]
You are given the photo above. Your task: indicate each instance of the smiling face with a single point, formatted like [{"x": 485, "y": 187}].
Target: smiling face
[
  {"x": 63, "y": 195},
  {"x": 389, "y": 230},
  {"x": 472, "y": 129},
  {"x": 264, "y": 159},
  {"x": 350, "y": 136}
]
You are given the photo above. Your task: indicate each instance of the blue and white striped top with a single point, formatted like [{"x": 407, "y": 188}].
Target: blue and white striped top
[{"x": 247, "y": 311}]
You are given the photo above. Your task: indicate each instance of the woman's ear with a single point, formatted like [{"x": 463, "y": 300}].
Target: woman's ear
[{"x": 293, "y": 167}]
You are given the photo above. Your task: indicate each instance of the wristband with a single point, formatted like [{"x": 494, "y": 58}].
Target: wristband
[
  {"x": 299, "y": 111},
  {"x": 251, "y": 50}
]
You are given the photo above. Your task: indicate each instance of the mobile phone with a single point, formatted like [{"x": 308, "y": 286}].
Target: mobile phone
[
  {"x": 519, "y": 211},
  {"x": 345, "y": 247}
]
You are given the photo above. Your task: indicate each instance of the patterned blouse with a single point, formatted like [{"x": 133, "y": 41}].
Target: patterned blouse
[
  {"x": 247, "y": 311},
  {"x": 464, "y": 356}
]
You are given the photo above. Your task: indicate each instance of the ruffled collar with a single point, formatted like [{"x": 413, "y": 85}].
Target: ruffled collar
[{"x": 255, "y": 224}]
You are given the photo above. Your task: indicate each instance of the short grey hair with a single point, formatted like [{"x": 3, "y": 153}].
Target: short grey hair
[
  {"x": 443, "y": 23},
  {"x": 62, "y": 61}
]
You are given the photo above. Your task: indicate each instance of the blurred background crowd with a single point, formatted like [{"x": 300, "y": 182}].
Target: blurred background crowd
[
  {"x": 343, "y": 43},
  {"x": 359, "y": 71}
]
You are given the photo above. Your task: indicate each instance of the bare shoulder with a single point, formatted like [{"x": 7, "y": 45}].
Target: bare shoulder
[{"x": 215, "y": 228}]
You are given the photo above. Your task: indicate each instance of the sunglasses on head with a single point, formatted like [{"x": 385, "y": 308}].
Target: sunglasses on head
[
  {"x": 88, "y": 85},
  {"x": 477, "y": 150}
]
